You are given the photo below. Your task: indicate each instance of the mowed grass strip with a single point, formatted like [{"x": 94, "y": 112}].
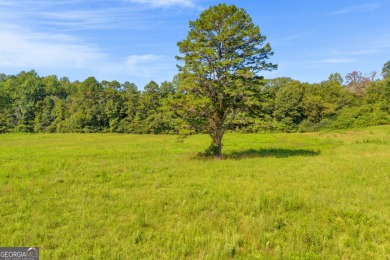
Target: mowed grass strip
[{"x": 112, "y": 196}]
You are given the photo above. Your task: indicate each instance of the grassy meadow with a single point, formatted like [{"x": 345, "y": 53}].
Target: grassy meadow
[{"x": 274, "y": 196}]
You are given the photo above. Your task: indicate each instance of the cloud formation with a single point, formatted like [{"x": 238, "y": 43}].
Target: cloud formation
[
  {"x": 49, "y": 53},
  {"x": 335, "y": 61},
  {"x": 357, "y": 9},
  {"x": 70, "y": 16},
  {"x": 20, "y": 48},
  {"x": 38, "y": 36}
]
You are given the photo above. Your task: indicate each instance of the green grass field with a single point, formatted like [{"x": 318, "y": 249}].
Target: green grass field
[{"x": 274, "y": 196}]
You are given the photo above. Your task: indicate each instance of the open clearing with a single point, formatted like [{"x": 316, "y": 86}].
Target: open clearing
[{"x": 113, "y": 196}]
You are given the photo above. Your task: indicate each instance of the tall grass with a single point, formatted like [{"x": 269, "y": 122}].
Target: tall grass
[{"x": 278, "y": 196}]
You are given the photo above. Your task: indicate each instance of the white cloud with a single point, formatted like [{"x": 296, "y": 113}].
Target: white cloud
[
  {"x": 356, "y": 9},
  {"x": 71, "y": 16},
  {"x": 20, "y": 48},
  {"x": 335, "y": 61},
  {"x": 38, "y": 36},
  {"x": 150, "y": 66},
  {"x": 60, "y": 54},
  {"x": 165, "y": 3},
  {"x": 356, "y": 52},
  {"x": 147, "y": 66},
  {"x": 133, "y": 59}
]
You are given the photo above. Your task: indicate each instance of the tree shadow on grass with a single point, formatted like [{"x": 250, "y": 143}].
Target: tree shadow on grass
[{"x": 271, "y": 152}]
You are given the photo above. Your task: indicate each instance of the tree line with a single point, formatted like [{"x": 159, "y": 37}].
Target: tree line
[{"x": 30, "y": 103}]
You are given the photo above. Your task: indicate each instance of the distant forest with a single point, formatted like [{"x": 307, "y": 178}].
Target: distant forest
[{"x": 30, "y": 103}]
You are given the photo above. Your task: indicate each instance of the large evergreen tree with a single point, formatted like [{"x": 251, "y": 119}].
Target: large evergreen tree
[{"x": 222, "y": 55}]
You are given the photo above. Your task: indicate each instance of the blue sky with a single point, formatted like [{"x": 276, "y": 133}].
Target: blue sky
[{"x": 135, "y": 40}]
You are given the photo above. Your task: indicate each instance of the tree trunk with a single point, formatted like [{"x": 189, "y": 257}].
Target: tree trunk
[
  {"x": 218, "y": 150},
  {"x": 217, "y": 143}
]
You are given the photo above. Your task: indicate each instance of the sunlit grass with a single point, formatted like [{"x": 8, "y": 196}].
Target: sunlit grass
[{"x": 111, "y": 196}]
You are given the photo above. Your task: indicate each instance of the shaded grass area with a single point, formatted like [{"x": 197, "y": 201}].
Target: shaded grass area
[
  {"x": 271, "y": 152},
  {"x": 275, "y": 196}
]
